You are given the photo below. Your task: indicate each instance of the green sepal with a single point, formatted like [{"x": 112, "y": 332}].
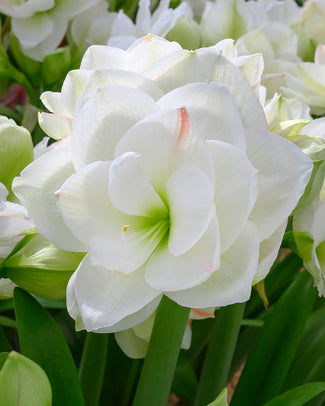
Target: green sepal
[{"x": 41, "y": 268}]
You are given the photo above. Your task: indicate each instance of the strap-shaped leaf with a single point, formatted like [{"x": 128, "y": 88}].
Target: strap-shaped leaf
[
  {"x": 273, "y": 351},
  {"x": 299, "y": 395},
  {"x": 41, "y": 340}
]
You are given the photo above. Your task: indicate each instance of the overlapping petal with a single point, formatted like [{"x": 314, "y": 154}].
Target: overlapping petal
[
  {"x": 232, "y": 282},
  {"x": 104, "y": 119},
  {"x": 36, "y": 189},
  {"x": 93, "y": 290}
]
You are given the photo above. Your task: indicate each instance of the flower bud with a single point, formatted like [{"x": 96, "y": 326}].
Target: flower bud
[{"x": 23, "y": 382}]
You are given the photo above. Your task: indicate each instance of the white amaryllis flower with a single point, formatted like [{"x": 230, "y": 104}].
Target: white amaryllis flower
[
  {"x": 40, "y": 25},
  {"x": 124, "y": 32},
  {"x": 170, "y": 180},
  {"x": 305, "y": 81}
]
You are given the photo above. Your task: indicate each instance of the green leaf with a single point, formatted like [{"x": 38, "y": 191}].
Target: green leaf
[
  {"x": 55, "y": 65},
  {"x": 299, "y": 395},
  {"x": 41, "y": 340},
  {"x": 219, "y": 354},
  {"x": 23, "y": 383},
  {"x": 4, "y": 343},
  {"x": 309, "y": 362},
  {"x": 272, "y": 354},
  {"x": 92, "y": 367},
  {"x": 185, "y": 382},
  {"x": 221, "y": 399}
]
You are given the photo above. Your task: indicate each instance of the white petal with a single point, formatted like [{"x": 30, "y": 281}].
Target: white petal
[
  {"x": 167, "y": 272},
  {"x": 190, "y": 200},
  {"x": 232, "y": 282},
  {"x": 104, "y": 119},
  {"x": 116, "y": 240},
  {"x": 283, "y": 173},
  {"x": 105, "y": 297},
  {"x": 54, "y": 125},
  {"x": 166, "y": 141},
  {"x": 213, "y": 108},
  {"x": 25, "y": 9},
  {"x": 105, "y": 77},
  {"x": 130, "y": 191},
  {"x": 11, "y": 227},
  {"x": 205, "y": 65},
  {"x": 64, "y": 103},
  {"x": 32, "y": 30},
  {"x": 268, "y": 252},
  {"x": 104, "y": 57},
  {"x": 36, "y": 189},
  {"x": 132, "y": 345},
  {"x": 48, "y": 44},
  {"x": 150, "y": 49},
  {"x": 235, "y": 189}
]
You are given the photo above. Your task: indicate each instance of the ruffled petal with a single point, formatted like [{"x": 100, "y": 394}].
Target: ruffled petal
[
  {"x": 235, "y": 189},
  {"x": 104, "y": 119},
  {"x": 191, "y": 207},
  {"x": 167, "y": 272},
  {"x": 232, "y": 282},
  {"x": 212, "y": 107},
  {"x": 104, "y": 298},
  {"x": 36, "y": 189},
  {"x": 283, "y": 173}
]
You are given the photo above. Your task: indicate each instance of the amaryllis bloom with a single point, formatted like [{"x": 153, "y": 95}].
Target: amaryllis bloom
[
  {"x": 305, "y": 81},
  {"x": 40, "y": 25},
  {"x": 170, "y": 181}
]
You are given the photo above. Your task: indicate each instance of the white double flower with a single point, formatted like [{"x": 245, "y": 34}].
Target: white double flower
[{"x": 170, "y": 180}]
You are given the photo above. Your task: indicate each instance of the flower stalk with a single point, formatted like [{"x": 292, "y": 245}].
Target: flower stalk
[{"x": 160, "y": 363}]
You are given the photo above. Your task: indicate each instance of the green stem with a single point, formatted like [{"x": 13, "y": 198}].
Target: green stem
[
  {"x": 160, "y": 363},
  {"x": 219, "y": 354},
  {"x": 92, "y": 367}
]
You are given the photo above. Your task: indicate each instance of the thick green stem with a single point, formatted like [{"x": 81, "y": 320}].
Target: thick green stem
[
  {"x": 160, "y": 363},
  {"x": 92, "y": 367},
  {"x": 219, "y": 354}
]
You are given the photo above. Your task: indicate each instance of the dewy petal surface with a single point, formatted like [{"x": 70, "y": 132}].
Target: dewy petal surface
[
  {"x": 212, "y": 107},
  {"x": 105, "y": 297},
  {"x": 191, "y": 206},
  {"x": 103, "y": 120},
  {"x": 116, "y": 240},
  {"x": 167, "y": 272},
  {"x": 235, "y": 189},
  {"x": 36, "y": 187},
  {"x": 232, "y": 282}
]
